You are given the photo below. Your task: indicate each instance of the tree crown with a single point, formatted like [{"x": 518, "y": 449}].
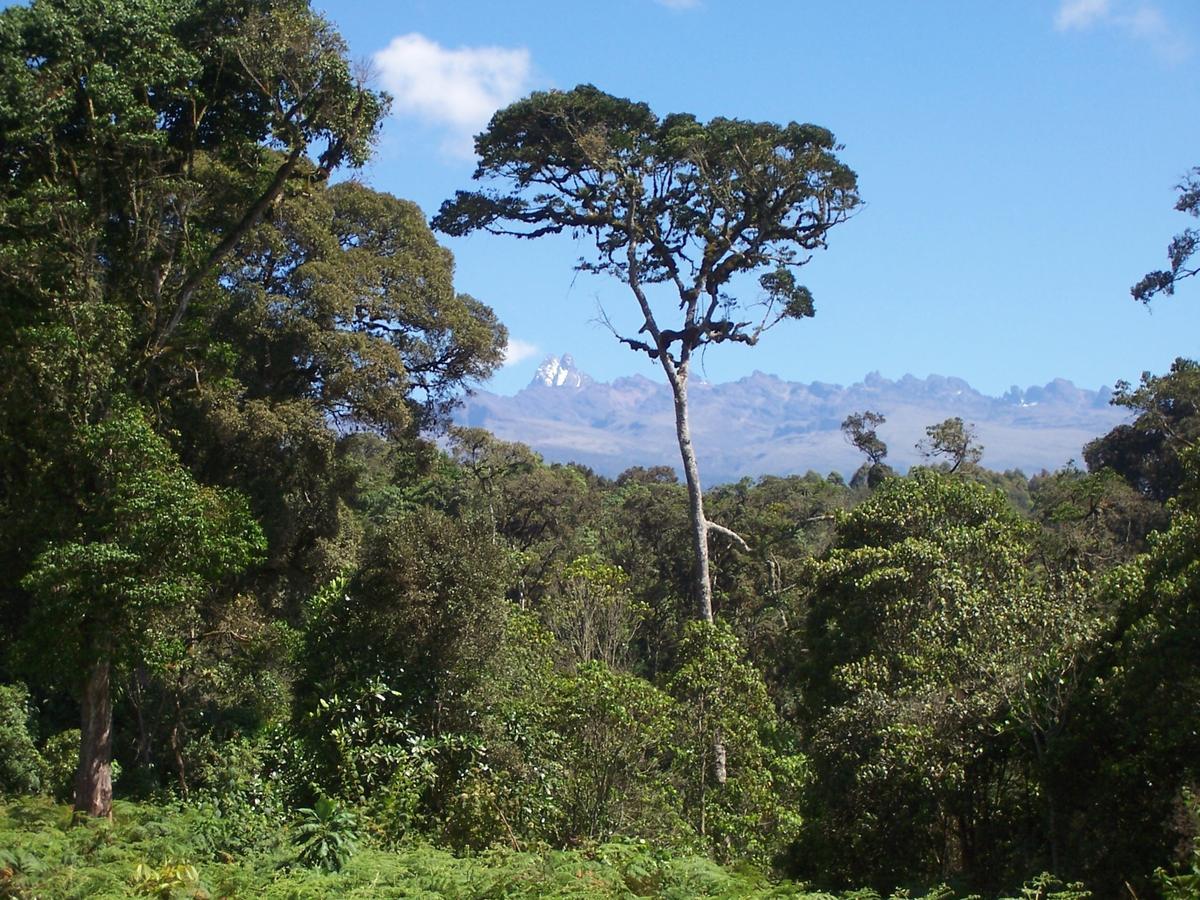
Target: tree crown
[{"x": 667, "y": 200}]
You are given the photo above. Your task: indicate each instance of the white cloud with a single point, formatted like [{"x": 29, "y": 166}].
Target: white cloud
[
  {"x": 457, "y": 89},
  {"x": 518, "y": 351},
  {"x": 1143, "y": 21},
  {"x": 1081, "y": 14}
]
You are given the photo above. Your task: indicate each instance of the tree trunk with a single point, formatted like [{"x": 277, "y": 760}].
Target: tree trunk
[
  {"x": 137, "y": 695},
  {"x": 93, "y": 778},
  {"x": 702, "y": 581}
]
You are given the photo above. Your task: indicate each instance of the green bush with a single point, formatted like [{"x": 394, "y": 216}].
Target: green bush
[
  {"x": 22, "y": 769},
  {"x": 62, "y": 758},
  {"x": 167, "y": 881},
  {"x": 327, "y": 835}
]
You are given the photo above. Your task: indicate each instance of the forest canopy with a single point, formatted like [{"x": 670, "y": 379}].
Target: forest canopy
[{"x": 314, "y": 638}]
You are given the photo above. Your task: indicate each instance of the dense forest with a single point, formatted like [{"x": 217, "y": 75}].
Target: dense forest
[{"x": 317, "y": 642}]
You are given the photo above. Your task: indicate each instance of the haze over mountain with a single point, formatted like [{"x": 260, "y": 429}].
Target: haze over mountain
[{"x": 763, "y": 425}]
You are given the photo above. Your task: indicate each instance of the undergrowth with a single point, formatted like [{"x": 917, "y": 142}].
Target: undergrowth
[{"x": 168, "y": 852}]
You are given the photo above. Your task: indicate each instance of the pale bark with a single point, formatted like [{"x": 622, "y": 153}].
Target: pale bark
[
  {"x": 93, "y": 779},
  {"x": 678, "y": 375}
]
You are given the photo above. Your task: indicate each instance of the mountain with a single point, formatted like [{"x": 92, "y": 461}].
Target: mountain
[{"x": 761, "y": 424}]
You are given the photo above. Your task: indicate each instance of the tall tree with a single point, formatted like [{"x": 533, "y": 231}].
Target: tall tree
[
  {"x": 147, "y": 547},
  {"x": 933, "y": 648},
  {"x": 860, "y": 430},
  {"x": 954, "y": 440},
  {"x": 142, "y": 141},
  {"x": 340, "y": 308},
  {"x": 670, "y": 201}
]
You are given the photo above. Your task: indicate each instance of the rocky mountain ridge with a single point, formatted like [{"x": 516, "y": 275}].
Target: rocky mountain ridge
[{"x": 761, "y": 424}]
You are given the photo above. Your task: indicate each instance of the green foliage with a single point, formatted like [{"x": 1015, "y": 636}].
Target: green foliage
[
  {"x": 953, "y": 440},
  {"x": 352, "y": 282},
  {"x": 611, "y": 739},
  {"x": 152, "y": 544},
  {"x": 595, "y": 616},
  {"x": 43, "y": 856},
  {"x": 933, "y": 655},
  {"x": 1093, "y": 520},
  {"x": 215, "y": 507},
  {"x": 1143, "y": 701},
  {"x": 1181, "y": 886},
  {"x": 1181, "y": 249},
  {"x": 643, "y": 531},
  {"x": 1184, "y": 885},
  {"x": 1049, "y": 887},
  {"x": 859, "y": 430},
  {"x": 428, "y": 602},
  {"x": 723, "y": 701},
  {"x": 22, "y": 768},
  {"x": 326, "y": 835},
  {"x": 607, "y": 158},
  {"x": 62, "y": 759},
  {"x": 1146, "y": 453},
  {"x": 167, "y": 881}
]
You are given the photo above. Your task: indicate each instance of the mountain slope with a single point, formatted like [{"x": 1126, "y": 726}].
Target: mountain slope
[{"x": 762, "y": 425}]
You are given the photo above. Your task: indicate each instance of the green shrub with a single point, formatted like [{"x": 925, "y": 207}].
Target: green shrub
[
  {"x": 22, "y": 769},
  {"x": 167, "y": 881},
  {"x": 62, "y": 758},
  {"x": 327, "y": 835},
  {"x": 1049, "y": 887}
]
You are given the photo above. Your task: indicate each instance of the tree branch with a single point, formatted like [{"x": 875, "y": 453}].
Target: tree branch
[
  {"x": 252, "y": 217},
  {"x": 728, "y": 532}
]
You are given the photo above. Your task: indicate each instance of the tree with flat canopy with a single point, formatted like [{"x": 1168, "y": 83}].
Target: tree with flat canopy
[{"x": 681, "y": 211}]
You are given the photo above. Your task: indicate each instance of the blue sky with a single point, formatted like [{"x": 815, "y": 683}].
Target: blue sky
[{"x": 1017, "y": 162}]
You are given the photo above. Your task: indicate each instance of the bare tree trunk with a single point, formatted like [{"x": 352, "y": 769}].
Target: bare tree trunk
[
  {"x": 701, "y": 581},
  {"x": 93, "y": 778},
  {"x": 677, "y": 375}
]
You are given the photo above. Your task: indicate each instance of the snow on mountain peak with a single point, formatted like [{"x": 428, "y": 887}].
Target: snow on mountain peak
[{"x": 558, "y": 371}]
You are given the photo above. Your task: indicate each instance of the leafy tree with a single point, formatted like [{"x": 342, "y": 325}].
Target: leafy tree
[
  {"x": 339, "y": 309},
  {"x": 22, "y": 769},
  {"x": 613, "y": 745},
  {"x": 786, "y": 521},
  {"x": 344, "y": 298},
  {"x": 423, "y": 614},
  {"x": 668, "y": 201},
  {"x": 859, "y": 430},
  {"x": 1137, "y": 745},
  {"x": 147, "y": 173},
  {"x": 953, "y": 440},
  {"x": 1093, "y": 520},
  {"x": 168, "y": 235},
  {"x": 148, "y": 547},
  {"x": 143, "y": 141},
  {"x": 925, "y": 626},
  {"x": 538, "y": 510},
  {"x": 1181, "y": 249},
  {"x": 595, "y": 616},
  {"x": 723, "y": 707},
  {"x": 643, "y": 530},
  {"x": 1146, "y": 452}
]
